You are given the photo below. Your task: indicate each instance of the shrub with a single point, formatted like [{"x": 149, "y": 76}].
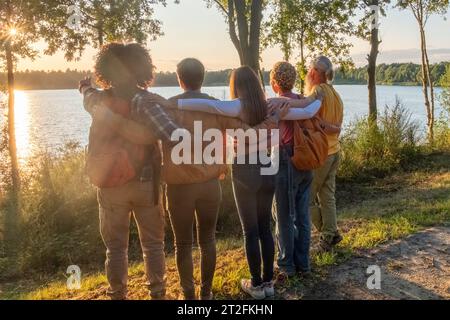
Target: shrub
[
  {"x": 376, "y": 150},
  {"x": 442, "y": 126}
]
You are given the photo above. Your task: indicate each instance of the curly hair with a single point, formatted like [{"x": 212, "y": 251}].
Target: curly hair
[
  {"x": 124, "y": 65},
  {"x": 284, "y": 75}
]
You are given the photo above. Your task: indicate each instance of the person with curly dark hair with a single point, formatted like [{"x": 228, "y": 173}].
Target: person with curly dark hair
[{"x": 124, "y": 161}]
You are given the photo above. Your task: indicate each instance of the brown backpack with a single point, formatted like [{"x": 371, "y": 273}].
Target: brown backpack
[
  {"x": 111, "y": 160},
  {"x": 310, "y": 145}
]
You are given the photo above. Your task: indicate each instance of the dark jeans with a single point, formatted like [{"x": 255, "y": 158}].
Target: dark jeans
[
  {"x": 293, "y": 229},
  {"x": 254, "y": 195},
  {"x": 187, "y": 202}
]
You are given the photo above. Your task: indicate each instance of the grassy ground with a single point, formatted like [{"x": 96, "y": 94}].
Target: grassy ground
[{"x": 371, "y": 213}]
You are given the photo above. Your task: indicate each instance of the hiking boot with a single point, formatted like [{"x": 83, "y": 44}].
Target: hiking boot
[
  {"x": 269, "y": 289},
  {"x": 337, "y": 239},
  {"x": 158, "y": 296},
  {"x": 256, "y": 293},
  {"x": 208, "y": 297},
  {"x": 281, "y": 279},
  {"x": 325, "y": 246},
  {"x": 306, "y": 274}
]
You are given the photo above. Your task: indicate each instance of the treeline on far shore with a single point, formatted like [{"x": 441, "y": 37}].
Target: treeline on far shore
[{"x": 387, "y": 74}]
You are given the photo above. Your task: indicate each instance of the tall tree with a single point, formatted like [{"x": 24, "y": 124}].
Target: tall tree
[
  {"x": 313, "y": 27},
  {"x": 422, "y": 11},
  {"x": 76, "y": 24},
  {"x": 244, "y": 25},
  {"x": 19, "y": 28},
  {"x": 369, "y": 29}
]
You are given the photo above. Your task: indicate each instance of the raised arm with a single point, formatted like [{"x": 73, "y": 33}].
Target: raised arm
[
  {"x": 154, "y": 117},
  {"x": 91, "y": 98}
]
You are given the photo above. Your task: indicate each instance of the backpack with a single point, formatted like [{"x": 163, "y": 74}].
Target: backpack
[
  {"x": 112, "y": 161},
  {"x": 310, "y": 144}
]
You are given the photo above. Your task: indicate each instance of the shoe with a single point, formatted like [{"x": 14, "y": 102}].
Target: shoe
[
  {"x": 281, "y": 279},
  {"x": 269, "y": 289},
  {"x": 207, "y": 297},
  {"x": 337, "y": 239},
  {"x": 256, "y": 293},
  {"x": 158, "y": 296},
  {"x": 305, "y": 274},
  {"x": 325, "y": 246}
]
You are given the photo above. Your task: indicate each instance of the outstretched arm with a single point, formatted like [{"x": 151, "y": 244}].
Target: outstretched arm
[
  {"x": 233, "y": 108},
  {"x": 153, "y": 116}
]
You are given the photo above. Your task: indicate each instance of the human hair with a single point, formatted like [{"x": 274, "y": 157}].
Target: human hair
[
  {"x": 324, "y": 66},
  {"x": 124, "y": 66},
  {"x": 192, "y": 73},
  {"x": 284, "y": 75},
  {"x": 246, "y": 86}
]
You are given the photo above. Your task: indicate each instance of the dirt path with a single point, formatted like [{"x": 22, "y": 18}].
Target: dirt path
[{"x": 417, "y": 267}]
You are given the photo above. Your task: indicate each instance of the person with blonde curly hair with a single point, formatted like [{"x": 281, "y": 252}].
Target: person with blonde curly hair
[{"x": 293, "y": 187}]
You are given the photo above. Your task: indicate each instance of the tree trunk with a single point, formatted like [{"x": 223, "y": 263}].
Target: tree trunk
[
  {"x": 425, "y": 85},
  {"x": 431, "y": 85},
  {"x": 371, "y": 72},
  {"x": 302, "y": 67},
  {"x": 249, "y": 32},
  {"x": 15, "y": 177},
  {"x": 12, "y": 213},
  {"x": 100, "y": 36}
]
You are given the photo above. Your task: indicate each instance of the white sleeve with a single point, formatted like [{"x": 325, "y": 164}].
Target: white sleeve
[
  {"x": 304, "y": 113},
  {"x": 230, "y": 108}
]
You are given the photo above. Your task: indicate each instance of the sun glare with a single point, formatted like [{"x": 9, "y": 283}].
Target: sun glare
[{"x": 13, "y": 32}]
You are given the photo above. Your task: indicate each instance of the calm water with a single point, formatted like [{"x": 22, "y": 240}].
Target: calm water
[{"x": 45, "y": 120}]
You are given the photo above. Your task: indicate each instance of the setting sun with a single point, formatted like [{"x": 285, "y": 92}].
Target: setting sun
[{"x": 13, "y": 32}]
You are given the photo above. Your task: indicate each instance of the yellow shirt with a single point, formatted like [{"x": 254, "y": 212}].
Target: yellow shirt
[{"x": 332, "y": 111}]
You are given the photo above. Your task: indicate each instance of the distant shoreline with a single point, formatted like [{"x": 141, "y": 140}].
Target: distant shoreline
[{"x": 226, "y": 85}]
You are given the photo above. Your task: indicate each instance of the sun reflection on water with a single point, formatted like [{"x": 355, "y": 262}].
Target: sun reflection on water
[{"x": 22, "y": 123}]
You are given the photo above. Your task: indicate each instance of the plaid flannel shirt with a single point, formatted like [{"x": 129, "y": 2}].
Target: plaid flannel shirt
[
  {"x": 143, "y": 110},
  {"x": 152, "y": 115}
]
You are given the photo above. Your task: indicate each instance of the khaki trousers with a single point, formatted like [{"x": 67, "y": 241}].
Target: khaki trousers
[
  {"x": 116, "y": 206},
  {"x": 323, "y": 200}
]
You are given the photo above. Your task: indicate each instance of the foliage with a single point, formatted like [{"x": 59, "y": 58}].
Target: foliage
[
  {"x": 442, "y": 130},
  {"x": 313, "y": 27},
  {"x": 244, "y": 19},
  {"x": 369, "y": 150},
  {"x": 98, "y": 21},
  {"x": 363, "y": 31},
  {"x": 391, "y": 74}
]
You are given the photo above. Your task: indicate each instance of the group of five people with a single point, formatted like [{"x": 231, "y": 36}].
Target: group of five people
[{"x": 130, "y": 154}]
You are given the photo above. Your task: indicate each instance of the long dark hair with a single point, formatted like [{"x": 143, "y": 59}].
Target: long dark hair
[{"x": 245, "y": 85}]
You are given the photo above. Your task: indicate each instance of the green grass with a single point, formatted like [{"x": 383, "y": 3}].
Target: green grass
[{"x": 384, "y": 210}]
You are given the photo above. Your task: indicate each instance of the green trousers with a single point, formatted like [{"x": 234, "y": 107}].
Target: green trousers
[{"x": 323, "y": 200}]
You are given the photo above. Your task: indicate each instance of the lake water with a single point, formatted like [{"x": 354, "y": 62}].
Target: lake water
[{"x": 47, "y": 119}]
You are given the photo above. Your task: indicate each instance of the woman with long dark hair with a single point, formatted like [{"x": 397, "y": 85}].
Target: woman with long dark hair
[{"x": 254, "y": 192}]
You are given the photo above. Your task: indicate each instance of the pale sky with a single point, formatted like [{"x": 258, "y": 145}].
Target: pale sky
[{"x": 193, "y": 30}]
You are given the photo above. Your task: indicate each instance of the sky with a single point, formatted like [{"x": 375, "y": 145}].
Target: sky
[{"x": 193, "y": 30}]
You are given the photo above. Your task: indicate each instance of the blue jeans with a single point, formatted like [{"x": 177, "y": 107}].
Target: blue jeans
[
  {"x": 254, "y": 196},
  {"x": 293, "y": 229}
]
